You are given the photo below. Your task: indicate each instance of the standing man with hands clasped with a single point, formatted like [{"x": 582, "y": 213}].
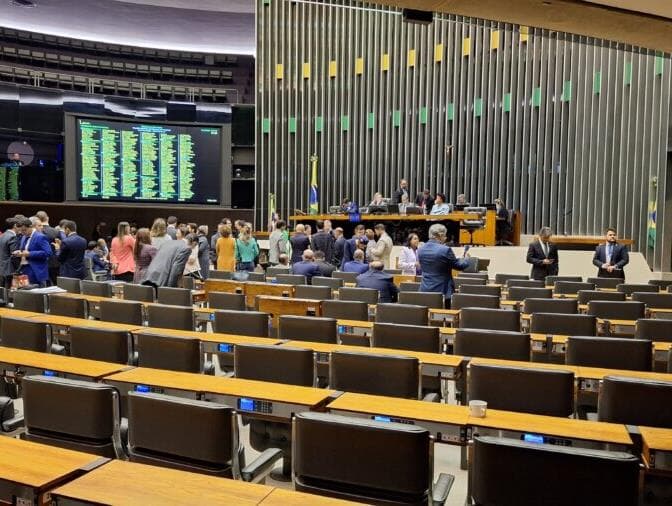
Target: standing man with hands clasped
[
  {"x": 543, "y": 256},
  {"x": 611, "y": 257}
]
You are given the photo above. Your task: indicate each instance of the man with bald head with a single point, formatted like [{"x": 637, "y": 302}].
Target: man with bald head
[
  {"x": 378, "y": 280},
  {"x": 300, "y": 242},
  {"x": 307, "y": 266}
]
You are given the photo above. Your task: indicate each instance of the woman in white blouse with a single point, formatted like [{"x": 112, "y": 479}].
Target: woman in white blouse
[{"x": 408, "y": 258}]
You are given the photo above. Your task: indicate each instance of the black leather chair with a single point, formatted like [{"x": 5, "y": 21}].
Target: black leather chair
[
  {"x": 630, "y": 288},
  {"x": 368, "y": 461},
  {"x": 525, "y": 283},
  {"x": 427, "y": 299},
  {"x": 121, "y": 311},
  {"x": 628, "y": 310},
  {"x": 563, "y": 324},
  {"x": 257, "y": 277},
  {"x": 662, "y": 284},
  {"x": 550, "y": 280},
  {"x": 609, "y": 353},
  {"x": 669, "y": 361},
  {"x": 187, "y": 282},
  {"x": 521, "y": 293},
  {"x": 345, "y": 310},
  {"x": 605, "y": 282},
  {"x": 98, "y": 288},
  {"x": 634, "y": 401},
  {"x": 66, "y": 306},
  {"x": 571, "y": 287},
  {"x": 493, "y": 319},
  {"x": 502, "y": 278},
  {"x": 481, "y": 290},
  {"x": 654, "y": 300},
  {"x": 368, "y": 295},
  {"x": 347, "y": 277},
  {"x": 308, "y": 328},
  {"x": 510, "y": 472},
  {"x": 159, "y": 351},
  {"x": 291, "y": 279},
  {"x": 174, "y": 296},
  {"x": 492, "y": 344},
  {"x": 561, "y": 306},
  {"x": 475, "y": 275},
  {"x": 246, "y": 323},
  {"x": 538, "y": 391},
  {"x": 30, "y": 301},
  {"x": 654, "y": 329},
  {"x": 170, "y": 317},
  {"x": 96, "y": 343},
  {"x": 215, "y": 274},
  {"x": 463, "y": 300},
  {"x": 25, "y": 334},
  {"x": 77, "y": 415},
  {"x": 274, "y": 270},
  {"x": 585, "y": 296},
  {"x": 333, "y": 283},
  {"x": 224, "y": 300},
  {"x": 140, "y": 293},
  {"x": 406, "y": 337},
  {"x": 409, "y": 286},
  {"x": 157, "y": 425},
  {"x": 461, "y": 282},
  {"x": 68, "y": 284},
  {"x": 313, "y": 292},
  {"x": 407, "y": 314}
]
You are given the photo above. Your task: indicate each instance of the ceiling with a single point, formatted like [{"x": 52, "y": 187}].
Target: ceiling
[{"x": 208, "y": 26}]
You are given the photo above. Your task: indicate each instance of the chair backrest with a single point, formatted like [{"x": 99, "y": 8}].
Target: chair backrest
[
  {"x": 188, "y": 282},
  {"x": 24, "y": 333},
  {"x": 538, "y": 391},
  {"x": 654, "y": 300},
  {"x": 273, "y": 271},
  {"x": 502, "y": 278},
  {"x": 345, "y": 310},
  {"x": 368, "y": 295},
  {"x": 333, "y": 283},
  {"x": 522, "y": 293},
  {"x": 630, "y": 288},
  {"x": 476, "y": 275},
  {"x": 563, "y": 324},
  {"x": 168, "y": 352},
  {"x": 66, "y": 306},
  {"x": 308, "y": 328},
  {"x": 312, "y": 292},
  {"x": 409, "y": 286},
  {"x": 585, "y": 296},
  {"x": 628, "y": 310},
  {"x": 348, "y": 277},
  {"x": 225, "y": 300},
  {"x": 140, "y": 293},
  {"x": 610, "y": 353},
  {"x": 389, "y": 375},
  {"x": 215, "y": 274},
  {"x": 30, "y": 301},
  {"x": 158, "y": 423},
  {"x": 68, "y": 284},
  {"x": 461, "y": 282},
  {"x": 406, "y": 337},
  {"x": 551, "y": 280},
  {"x": 526, "y": 283},
  {"x": 595, "y": 477},
  {"x": 493, "y": 319},
  {"x": 174, "y": 296},
  {"x": 464, "y": 300},
  {"x": 392, "y": 271},
  {"x": 653, "y": 329},
  {"x": 428, "y": 299},
  {"x": 258, "y": 277},
  {"x": 481, "y": 290},
  {"x": 634, "y": 401},
  {"x": 492, "y": 344},
  {"x": 571, "y": 287},
  {"x": 605, "y": 282},
  {"x": 78, "y": 415},
  {"x": 408, "y": 314},
  {"x": 663, "y": 284},
  {"x": 291, "y": 279},
  {"x": 170, "y": 317},
  {"x": 563, "y": 306},
  {"x": 354, "y": 470},
  {"x": 97, "y": 343},
  {"x": 121, "y": 311},
  {"x": 276, "y": 364},
  {"x": 246, "y": 323},
  {"x": 97, "y": 288}
]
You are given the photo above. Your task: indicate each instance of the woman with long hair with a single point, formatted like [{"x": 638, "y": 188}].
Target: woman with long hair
[
  {"x": 247, "y": 249},
  {"x": 193, "y": 266},
  {"x": 408, "y": 257},
  {"x": 225, "y": 248},
  {"x": 121, "y": 253},
  {"x": 159, "y": 234},
  {"x": 143, "y": 253}
]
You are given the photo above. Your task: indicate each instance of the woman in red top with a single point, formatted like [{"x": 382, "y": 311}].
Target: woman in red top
[{"x": 121, "y": 253}]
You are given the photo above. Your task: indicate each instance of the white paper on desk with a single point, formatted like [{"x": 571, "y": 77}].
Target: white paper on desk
[{"x": 48, "y": 289}]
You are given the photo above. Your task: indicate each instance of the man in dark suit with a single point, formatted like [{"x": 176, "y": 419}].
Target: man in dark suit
[
  {"x": 611, "y": 257},
  {"x": 34, "y": 252},
  {"x": 71, "y": 251},
  {"x": 9, "y": 243},
  {"x": 306, "y": 267},
  {"x": 326, "y": 269},
  {"x": 323, "y": 241},
  {"x": 300, "y": 242},
  {"x": 425, "y": 201},
  {"x": 51, "y": 234},
  {"x": 543, "y": 256},
  {"x": 357, "y": 264},
  {"x": 437, "y": 262},
  {"x": 339, "y": 245},
  {"x": 400, "y": 192},
  {"x": 378, "y": 280},
  {"x": 353, "y": 244}
]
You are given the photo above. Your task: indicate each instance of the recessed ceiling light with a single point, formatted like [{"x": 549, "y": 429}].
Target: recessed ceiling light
[{"x": 24, "y": 3}]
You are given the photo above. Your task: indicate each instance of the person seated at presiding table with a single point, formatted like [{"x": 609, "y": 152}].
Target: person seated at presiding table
[
  {"x": 307, "y": 267},
  {"x": 378, "y": 280},
  {"x": 378, "y": 200},
  {"x": 325, "y": 267},
  {"x": 357, "y": 264},
  {"x": 440, "y": 206}
]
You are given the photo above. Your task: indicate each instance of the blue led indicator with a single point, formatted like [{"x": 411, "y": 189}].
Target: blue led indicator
[
  {"x": 49, "y": 373},
  {"x": 379, "y": 418},
  {"x": 144, "y": 389},
  {"x": 225, "y": 348},
  {"x": 533, "y": 438},
  {"x": 246, "y": 404}
]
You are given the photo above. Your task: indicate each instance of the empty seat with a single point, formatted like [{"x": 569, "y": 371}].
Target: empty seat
[
  {"x": 67, "y": 306},
  {"x": 502, "y": 278},
  {"x": 653, "y": 329},
  {"x": 170, "y": 317},
  {"x": 634, "y": 401},
  {"x": 463, "y": 300},
  {"x": 97, "y": 288},
  {"x": 273, "y": 271},
  {"x": 409, "y": 286},
  {"x": 224, "y": 300},
  {"x": 493, "y": 319},
  {"x": 462, "y": 282},
  {"x": 25, "y": 334},
  {"x": 101, "y": 344},
  {"x": 562, "y": 306},
  {"x": 662, "y": 284},
  {"x": 169, "y": 352},
  {"x": 215, "y": 274},
  {"x": 550, "y": 280},
  {"x": 563, "y": 324},
  {"x": 526, "y": 283},
  {"x": 427, "y": 299},
  {"x": 78, "y": 415},
  {"x": 522, "y": 293},
  {"x": 174, "y": 296},
  {"x": 68, "y": 284},
  {"x": 476, "y": 275},
  {"x": 308, "y": 328},
  {"x": 538, "y": 473},
  {"x": 368, "y": 295},
  {"x": 654, "y": 300},
  {"x": 345, "y": 310},
  {"x": 312, "y": 292},
  {"x": 121, "y": 311},
  {"x": 245, "y": 323},
  {"x": 408, "y": 314},
  {"x": 393, "y": 271},
  {"x": 610, "y": 283},
  {"x": 482, "y": 290},
  {"x": 492, "y": 344},
  {"x": 406, "y": 337},
  {"x": 187, "y": 282},
  {"x": 609, "y": 353},
  {"x": 333, "y": 283},
  {"x": 348, "y": 277},
  {"x": 291, "y": 279},
  {"x": 585, "y": 296},
  {"x": 571, "y": 287},
  {"x": 628, "y": 310},
  {"x": 258, "y": 277},
  {"x": 141, "y": 293},
  {"x": 630, "y": 288},
  {"x": 29, "y": 301}
]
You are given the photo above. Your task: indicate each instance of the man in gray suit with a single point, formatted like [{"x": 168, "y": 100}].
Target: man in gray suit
[
  {"x": 168, "y": 265},
  {"x": 9, "y": 242}
]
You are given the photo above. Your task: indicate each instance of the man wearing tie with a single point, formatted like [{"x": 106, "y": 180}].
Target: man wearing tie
[
  {"x": 543, "y": 256},
  {"x": 611, "y": 257}
]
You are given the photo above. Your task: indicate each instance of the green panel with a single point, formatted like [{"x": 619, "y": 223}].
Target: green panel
[
  {"x": 292, "y": 125},
  {"x": 627, "y": 73},
  {"x": 536, "y": 97},
  {"x": 319, "y": 123},
  {"x": 345, "y": 123},
  {"x": 266, "y": 125},
  {"x": 597, "y": 82},
  {"x": 478, "y": 107},
  {"x": 507, "y": 102},
  {"x": 370, "y": 120},
  {"x": 567, "y": 91},
  {"x": 659, "y": 65},
  {"x": 423, "y": 115},
  {"x": 396, "y": 118},
  {"x": 450, "y": 111}
]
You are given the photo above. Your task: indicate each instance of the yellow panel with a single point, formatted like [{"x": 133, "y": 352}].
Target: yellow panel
[
  {"x": 359, "y": 66},
  {"x": 524, "y": 33},
  {"x": 494, "y": 39},
  {"x": 438, "y": 53},
  {"x": 279, "y": 71},
  {"x": 411, "y": 58},
  {"x": 306, "y": 70},
  {"x": 332, "y": 68},
  {"x": 385, "y": 62},
  {"x": 466, "y": 46}
]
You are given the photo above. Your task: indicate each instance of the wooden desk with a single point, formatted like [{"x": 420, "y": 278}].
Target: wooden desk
[
  {"x": 447, "y": 422},
  {"x": 17, "y": 313},
  {"x": 598, "y": 373},
  {"x": 29, "y": 470},
  {"x": 211, "y": 340},
  {"x": 70, "y": 321},
  {"x": 277, "y": 306},
  {"x": 657, "y": 448},
  {"x": 583, "y": 242},
  {"x": 121, "y": 482},
  {"x": 626, "y": 327},
  {"x": 281, "y": 400},
  {"x": 224, "y": 285},
  {"x": 283, "y": 497},
  {"x": 524, "y": 365},
  {"x": 252, "y": 289}
]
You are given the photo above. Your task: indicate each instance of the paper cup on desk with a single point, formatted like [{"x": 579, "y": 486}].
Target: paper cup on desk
[{"x": 477, "y": 409}]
